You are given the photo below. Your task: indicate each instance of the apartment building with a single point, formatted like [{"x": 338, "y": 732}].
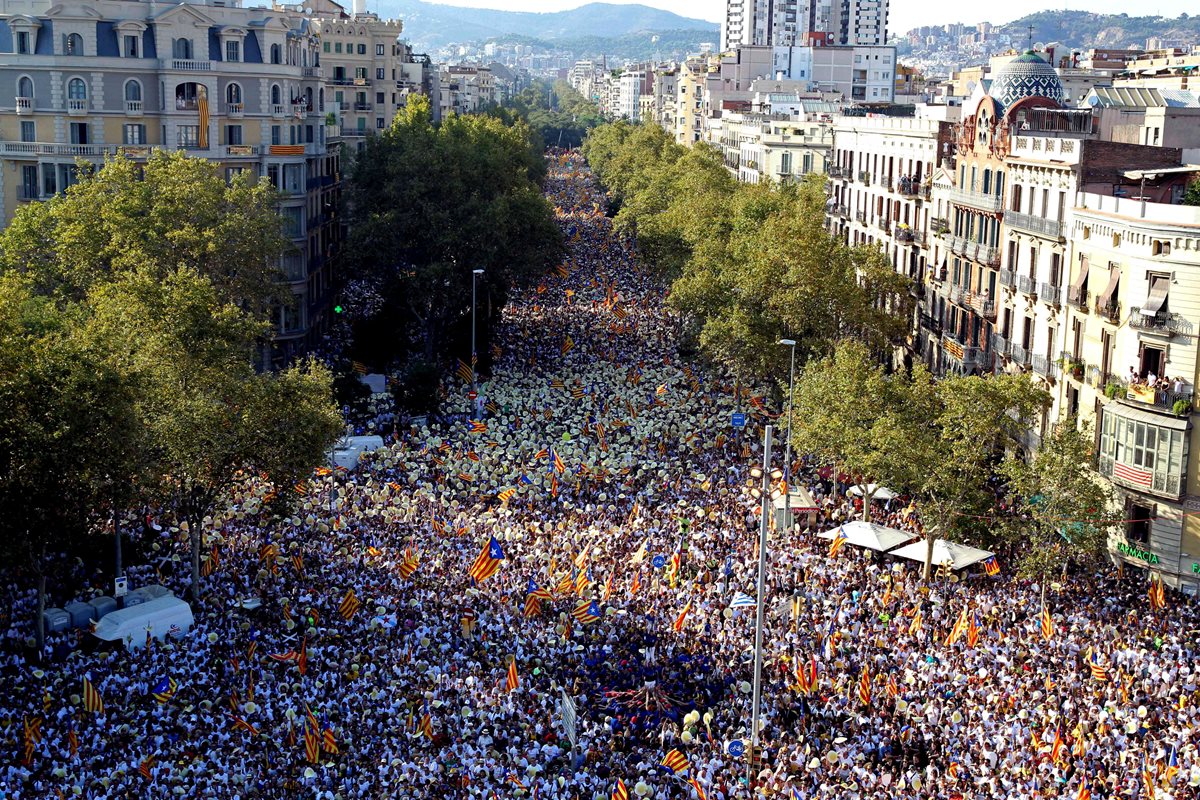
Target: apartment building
[
  {"x": 85, "y": 79},
  {"x": 465, "y": 89},
  {"x": 880, "y": 193},
  {"x": 368, "y": 71},
  {"x": 1133, "y": 307}
]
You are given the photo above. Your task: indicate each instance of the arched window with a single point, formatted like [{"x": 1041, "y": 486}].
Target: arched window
[
  {"x": 276, "y": 95},
  {"x": 182, "y": 49},
  {"x": 133, "y": 91},
  {"x": 76, "y": 89},
  {"x": 308, "y": 97},
  {"x": 276, "y": 54},
  {"x": 24, "y": 86},
  {"x": 321, "y": 99},
  {"x": 73, "y": 45},
  {"x": 233, "y": 94}
]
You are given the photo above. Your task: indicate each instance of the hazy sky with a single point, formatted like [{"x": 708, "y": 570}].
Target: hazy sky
[{"x": 905, "y": 14}]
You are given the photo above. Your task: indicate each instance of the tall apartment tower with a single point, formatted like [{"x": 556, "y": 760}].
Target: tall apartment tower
[{"x": 789, "y": 22}]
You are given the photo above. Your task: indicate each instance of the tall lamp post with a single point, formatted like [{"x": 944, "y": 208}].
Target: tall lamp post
[
  {"x": 474, "y": 277},
  {"x": 787, "y": 447},
  {"x": 764, "y": 494}
]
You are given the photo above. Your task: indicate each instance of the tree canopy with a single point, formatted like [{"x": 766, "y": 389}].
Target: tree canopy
[
  {"x": 749, "y": 263},
  {"x": 431, "y": 203},
  {"x": 131, "y": 308}
]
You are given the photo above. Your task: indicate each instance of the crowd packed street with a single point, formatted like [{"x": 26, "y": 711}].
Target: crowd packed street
[{"x": 378, "y": 666}]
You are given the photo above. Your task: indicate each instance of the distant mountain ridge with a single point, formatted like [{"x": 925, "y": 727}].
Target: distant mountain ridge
[
  {"x": 431, "y": 25},
  {"x": 1083, "y": 29}
]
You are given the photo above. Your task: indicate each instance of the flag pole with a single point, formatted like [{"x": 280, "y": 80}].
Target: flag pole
[{"x": 762, "y": 584}]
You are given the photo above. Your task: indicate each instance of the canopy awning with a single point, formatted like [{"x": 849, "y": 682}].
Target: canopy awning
[
  {"x": 1114, "y": 277},
  {"x": 876, "y": 491},
  {"x": 800, "y": 499},
  {"x": 1159, "y": 284},
  {"x": 869, "y": 535},
  {"x": 959, "y": 556},
  {"x": 1081, "y": 280}
]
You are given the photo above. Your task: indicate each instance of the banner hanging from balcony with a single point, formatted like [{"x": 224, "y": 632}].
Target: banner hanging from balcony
[{"x": 202, "y": 104}]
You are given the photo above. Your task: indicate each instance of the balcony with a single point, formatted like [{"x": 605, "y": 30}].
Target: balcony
[
  {"x": 1163, "y": 397},
  {"x": 1000, "y": 345},
  {"x": 1165, "y": 324},
  {"x": 354, "y": 132},
  {"x": 1032, "y": 224},
  {"x": 277, "y": 111},
  {"x": 187, "y": 104},
  {"x": 28, "y": 149},
  {"x": 956, "y": 295},
  {"x": 241, "y": 150},
  {"x": 235, "y": 110},
  {"x": 910, "y": 188},
  {"x": 939, "y": 225},
  {"x": 1109, "y": 312},
  {"x": 937, "y": 274},
  {"x": 931, "y": 323},
  {"x": 1050, "y": 293},
  {"x": 299, "y": 110},
  {"x": 834, "y": 171},
  {"x": 363, "y": 106},
  {"x": 864, "y": 177},
  {"x": 1074, "y": 368},
  {"x": 960, "y": 357},
  {"x": 1008, "y": 278},
  {"x": 1027, "y": 285},
  {"x": 861, "y": 216},
  {"x": 1019, "y": 354},
  {"x": 24, "y": 105},
  {"x": 984, "y": 202},
  {"x": 1078, "y": 297},
  {"x": 186, "y": 65},
  {"x": 133, "y": 108},
  {"x": 1043, "y": 366},
  {"x": 77, "y": 108},
  {"x": 313, "y": 72},
  {"x": 983, "y": 305},
  {"x": 904, "y": 234}
]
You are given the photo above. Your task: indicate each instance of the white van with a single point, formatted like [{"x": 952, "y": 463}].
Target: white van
[{"x": 161, "y": 617}]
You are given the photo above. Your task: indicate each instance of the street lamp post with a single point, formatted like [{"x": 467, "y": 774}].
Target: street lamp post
[
  {"x": 474, "y": 276},
  {"x": 787, "y": 446},
  {"x": 765, "y": 498}
]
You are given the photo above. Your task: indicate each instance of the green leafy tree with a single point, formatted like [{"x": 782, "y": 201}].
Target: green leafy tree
[
  {"x": 1064, "y": 507},
  {"x": 1191, "y": 195},
  {"x": 208, "y": 416},
  {"x": 431, "y": 203},
  {"x": 171, "y": 211},
  {"x": 959, "y": 428},
  {"x": 850, "y": 413},
  {"x": 68, "y": 430}
]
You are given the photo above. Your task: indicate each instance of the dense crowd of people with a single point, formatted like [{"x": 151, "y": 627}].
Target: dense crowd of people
[{"x": 594, "y": 455}]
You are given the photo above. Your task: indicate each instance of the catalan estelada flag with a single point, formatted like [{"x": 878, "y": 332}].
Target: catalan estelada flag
[
  {"x": 676, "y": 762},
  {"x": 312, "y": 742},
  {"x": 465, "y": 372},
  {"x": 567, "y": 345},
  {"x": 991, "y": 566},
  {"x": 695, "y": 784},
  {"x": 960, "y": 627},
  {"x": 487, "y": 562},
  {"x": 1047, "y": 624},
  {"x": 677, "y": 626},
  {"x": 350, "y": 605},
  {"x": 478, "y": 426},
  {"x": 973, "y": 630},
  {"x": 587, "y": 612},
  {"x": 838, "y": 541},
  {"x": 506, "y": 494},
  {"x": 557, "y": 461},
  {"x": 164, "y": 690},
  {"x": 145, "y": 767},
  {"x": 636, "y": 583},
  {"x": 864, "y": 686},
  {"x": 619, "y": 791},
  {"x": 92, "y": 701},
  {"x": 1158, "y": 597},
  {"x": 409, "y": 565},
  {"x": 426, "y": 726},
  {"x": 512, "y": 680}
]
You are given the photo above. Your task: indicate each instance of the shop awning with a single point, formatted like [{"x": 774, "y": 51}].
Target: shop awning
[
  {"x": 1159, "y": 284},
  {"x": 876, "y": 491},
  {"x": 1081, "y": 279},
  {"x": 1114, "y": 277}
]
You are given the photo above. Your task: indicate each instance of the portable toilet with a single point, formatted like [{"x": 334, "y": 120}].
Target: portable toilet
[
  {"x": 56, "y": 620},
  {"x": 81, "y": 614},
  {"x": 103, "y": 605}
]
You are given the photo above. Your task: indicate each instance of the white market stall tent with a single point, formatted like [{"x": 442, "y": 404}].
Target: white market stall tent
[
  {"x": 877, "y": 492},
  {"x": 959, "y": 556},
  {"x": 870, "y": 535}
]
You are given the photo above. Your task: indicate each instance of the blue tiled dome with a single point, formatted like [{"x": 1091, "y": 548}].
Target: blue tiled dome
[{"x": 1027, "y": 75}]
